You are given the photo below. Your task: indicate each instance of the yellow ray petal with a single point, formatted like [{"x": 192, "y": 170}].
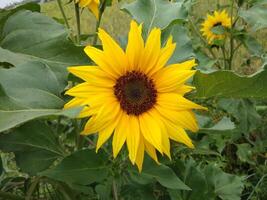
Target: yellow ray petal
[
  {"x": 101, "y": 60},
  {"x": 119, "y": 136},
  {"x": 135, "y": 47},
  {"x": 164, "y": 56},
  {"x": 113, "y": 52},
  {"x": 84, "y": 3},
  {"x": 175, "y": 101},
  {"x": 151, "y": 151},
  {"x": 169, "y": 79},
  {"x": 94, "y": 7},
  {"x": 178, "y": 134},
  {"x": 105, "y": 134},
  {"x": 89, "y": 73},
  {"x": 140, "y": 154},
  {"x": 151, "y": 130},
  {"x": 152, "y": 51},
  {"x": 185, "y": 119},
  {"x": 133, "y": 137},
  {"x": 106, "y": 115}
]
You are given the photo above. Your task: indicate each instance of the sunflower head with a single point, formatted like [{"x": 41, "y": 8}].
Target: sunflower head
[
  {"x": 92, "y": 5},
  {"x": 217, "y": 19},
  {"x": 133, "y": 95}
]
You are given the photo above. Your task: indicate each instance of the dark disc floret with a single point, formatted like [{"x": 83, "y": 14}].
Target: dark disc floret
[{"x": 136, "y": 92}]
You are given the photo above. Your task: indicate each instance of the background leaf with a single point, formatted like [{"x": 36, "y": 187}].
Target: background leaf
[
  {"x": 34, "y": 144},
  {"x": 256, "y": 16},
  {"x": 229, "y": 84},
  {"x": 48, "y": 44},
  {"x": 82, "y": 167},
  {"x": 162, "y": 173},
  {"x": 28, "y": 97},
  {"x": 150, "y": 12}
]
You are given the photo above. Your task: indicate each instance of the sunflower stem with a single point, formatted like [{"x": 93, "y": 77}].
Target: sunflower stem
[
  {"x": 63, "y": 13},
  {"x": 115, "y": 190},
  {"x": 231, "y": 38},
  {"x": 78, "y": 22},
  {"x": 224, "y": 58},
  {"x": 101, "y": 11}
]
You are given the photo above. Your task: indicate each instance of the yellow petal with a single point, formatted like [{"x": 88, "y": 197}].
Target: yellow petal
[
  {"x": 152, "y": 51},
  {"x": 106, "y": 115},
  {"x": 84, "y": 3},
  {"x": 135, "y": 47},
  {"x": 175, "y": 101},
  {"x": 185, "y": 119},
  {"x": 119, "y": 136},
  {"x": 151, "y": 130},
  {"x": 133, "y": 137},
  {"x": 140, "y": 154},
  {"x": 164, "y": 56},
  {"x": 101, "y": 60},
  {"x": 107, "y": 132},
  {"x": 169, "y": 79},
  {"x": 89, "y": 73},
  {"x": 151, "y": 151},
  {"x": 113, "y": 53},
  {"x": 94, "y": 7},
  {"x": 178, "y": 134}
]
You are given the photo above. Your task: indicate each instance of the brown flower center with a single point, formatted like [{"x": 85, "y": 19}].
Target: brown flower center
[
  {"x": 217, "y": 24},
  {"x": 135, "y": 92}
]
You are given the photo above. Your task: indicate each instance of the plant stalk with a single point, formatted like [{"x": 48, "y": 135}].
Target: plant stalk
[
  {"x": 101, "y": 11},
  {"x": 230, "y": 60},
  {"x": 63, "y": 13},
  {"x": 115, "y": 190},
  {"x": 78, "y": 22}
]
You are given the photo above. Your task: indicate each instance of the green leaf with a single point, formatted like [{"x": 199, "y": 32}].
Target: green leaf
[
  {"x": 225, "y": 124},
  {"x": 245, "y": 153},
  {"x": 226, "y": 186},
  {"x": 218, "y": 30},
  {"x": 1, "y": 166},
  {"x": 161, "y": 173},
  {"x": 243, "y": 111},
  {"x": 4, "y": 14},
  {"x": 255, "y": 16},
  {"x": 34, "y": 144},
  {"x": 253, "y": 46},
  {"x": 209, "y": 182},
  {"x": 156, "y": 13},
  {"x": 229, "y": 84},
  {"x": 27, "y": 97},
  {"x": 184, "y": 49},
  {"x": 48, "y": 43},
  {"x": 82, "y": 167}
]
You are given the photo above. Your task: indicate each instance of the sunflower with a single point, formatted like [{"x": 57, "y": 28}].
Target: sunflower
[
  {"x": 217, "y": 19},
  {"x": 133, "y": 95},
  {"x": 92, "y": 5}
]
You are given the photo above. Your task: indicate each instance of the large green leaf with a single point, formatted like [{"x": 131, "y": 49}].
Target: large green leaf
[
  {"x": 229, "y": 84},
  {"x": 4, "y": 14},
  {"x": 82, "y": 167},
  {"x": 256, "y": 16},
  {"x": 184, "y": 49},
  {"x": 243, "y": 110},
  {"x": 208, "y": 183},
  {"x": 161, "y": 173},
  {"x": 1, "y": 166},
  {"x": 34, "y": 144},
  {"x": 31, "y": 36},
  {"x": 34, "y": 92},
  {"x": 156, "y": 13}
]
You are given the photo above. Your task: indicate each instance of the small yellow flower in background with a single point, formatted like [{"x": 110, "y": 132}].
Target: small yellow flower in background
[
  {"x": 93, "y": 5},
  {"x": 217, "y": 19},
  {"x": 133, "y": 95}
]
